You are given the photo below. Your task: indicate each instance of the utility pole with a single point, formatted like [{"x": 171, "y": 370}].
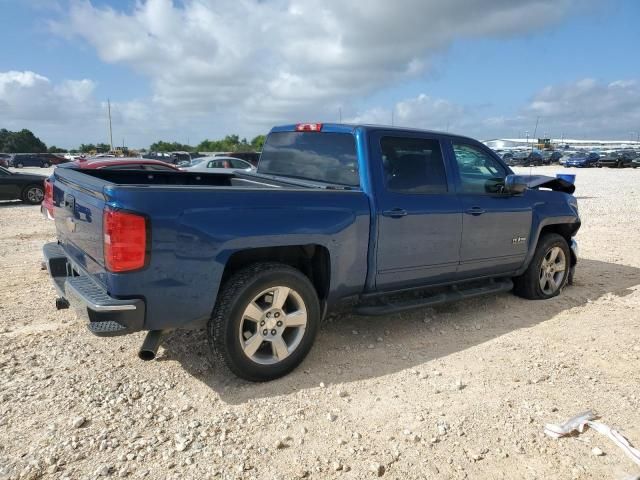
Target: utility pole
[
  {"x": 110, "y": 131},
  {"x": 340, "y": 114},
  {"x": 392, "y": 109}
]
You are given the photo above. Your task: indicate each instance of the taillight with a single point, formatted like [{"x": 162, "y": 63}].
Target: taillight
[
  {"x": 48, "y": 197},
  {"x": 125, "y": 240},
  {"x": 309, "y": 127}
]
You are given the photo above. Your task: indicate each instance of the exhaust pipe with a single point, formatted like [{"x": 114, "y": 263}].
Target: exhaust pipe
[
  {"x": 150, "y": 345},
  {"x": 62, "y": 303}
]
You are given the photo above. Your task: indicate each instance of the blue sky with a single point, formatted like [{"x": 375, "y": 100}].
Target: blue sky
[{"x": 202, "y": 69}]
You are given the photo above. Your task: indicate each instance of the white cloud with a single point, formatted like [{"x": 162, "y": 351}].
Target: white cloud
[
  {"x": 584, "y": 108},
  {"x": 258, "y": 63}
]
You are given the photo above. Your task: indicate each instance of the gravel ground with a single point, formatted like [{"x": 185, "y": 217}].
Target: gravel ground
[{"x": 459, "y": 391}]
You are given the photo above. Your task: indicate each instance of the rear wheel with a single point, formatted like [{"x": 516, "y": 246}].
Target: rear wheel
[
  {"x": 19, "y": 165},
  {"x": 548, "y": 271},
  {"x": 46, "y": 165},
  {"x": 33, "y": 194},
  {"x": 264, "y": 322}
]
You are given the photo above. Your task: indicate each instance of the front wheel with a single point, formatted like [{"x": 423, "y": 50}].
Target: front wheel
[
  {"x": 264, "y": 322},
  {"x": 548, "y": 271}
]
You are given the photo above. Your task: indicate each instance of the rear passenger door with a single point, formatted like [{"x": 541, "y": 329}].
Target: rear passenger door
[
  {"x": 495, "y": 225},
  {"x": 419, "y": 215}
]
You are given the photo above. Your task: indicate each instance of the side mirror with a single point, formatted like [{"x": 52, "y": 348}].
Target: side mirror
[{"x": 514, "y": 185}]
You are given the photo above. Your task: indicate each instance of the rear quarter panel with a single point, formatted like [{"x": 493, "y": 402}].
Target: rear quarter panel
[{"x": 195, "y": 230}]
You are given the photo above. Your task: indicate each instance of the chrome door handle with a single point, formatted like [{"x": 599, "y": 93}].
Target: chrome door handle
[
  {"x": 395, "y": 213},
  {"x": 475, "y": 211}
]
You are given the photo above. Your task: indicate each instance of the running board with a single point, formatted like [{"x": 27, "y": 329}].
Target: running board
[{"x": 454, "y": 294}]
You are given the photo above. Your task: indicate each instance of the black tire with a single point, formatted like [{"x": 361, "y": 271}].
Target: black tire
[
  {"x": 19, "y": 165},
  {"x": 224, "y": 327},
  {"x": 45, "y": 165},
  {"x": 33, "y": 194},
  {"x": 528, "y": 285}
]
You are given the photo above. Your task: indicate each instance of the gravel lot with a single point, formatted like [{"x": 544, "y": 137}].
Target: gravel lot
[{"x": 459, "y": 391}]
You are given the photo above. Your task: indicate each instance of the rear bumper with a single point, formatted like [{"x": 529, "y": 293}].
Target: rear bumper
[{"x": 105, "y": 316}]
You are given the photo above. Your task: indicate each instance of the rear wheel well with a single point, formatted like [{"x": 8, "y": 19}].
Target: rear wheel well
[{"x": 312, "y": 260}]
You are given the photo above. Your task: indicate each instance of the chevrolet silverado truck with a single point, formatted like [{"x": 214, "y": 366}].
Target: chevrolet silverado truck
[{"x": 370, "y": 218}]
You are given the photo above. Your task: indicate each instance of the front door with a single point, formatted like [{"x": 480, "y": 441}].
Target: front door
[
  {"x": 495, "y": 226},
  {"x": 419, "y": 216}
]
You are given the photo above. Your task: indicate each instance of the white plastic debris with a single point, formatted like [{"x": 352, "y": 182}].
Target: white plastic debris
[{"x": 578, "y": 424}]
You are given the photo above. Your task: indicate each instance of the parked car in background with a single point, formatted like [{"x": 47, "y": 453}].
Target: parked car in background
[
  {"x": 21, "y": 186},
  {"x": 617, "y": 159},
  {"x": 550, "y": 157},
  {"x": 5, "y": 160},
  {"x": 251, "y": 157},
  {"x": 122, "y": 164},
  {"x": 42, "y": 160},
  {"x": 531, "y": 158},
  {"x": 583, "y": 160},
  {"x": 220, "y": 165},
  {"x": 174, "y": 158}
]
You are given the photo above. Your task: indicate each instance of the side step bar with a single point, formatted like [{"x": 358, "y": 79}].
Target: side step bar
[{"x": 454, "y": 294}]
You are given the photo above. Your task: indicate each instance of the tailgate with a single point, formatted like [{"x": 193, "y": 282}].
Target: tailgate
[{"x": 78, "y": 208}]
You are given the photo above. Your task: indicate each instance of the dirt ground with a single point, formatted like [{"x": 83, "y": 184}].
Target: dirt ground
[{"x": 459, "y": 391}]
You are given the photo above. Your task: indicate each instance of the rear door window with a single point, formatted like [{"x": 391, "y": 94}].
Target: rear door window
[
  {"x": 413, "y": 165},
  {"x": 318, "y": 156}
]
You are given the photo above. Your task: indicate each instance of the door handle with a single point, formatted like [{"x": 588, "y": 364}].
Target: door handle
[
  {"x": 395, "y": 213},
  {"x": 475, "y": 211}
]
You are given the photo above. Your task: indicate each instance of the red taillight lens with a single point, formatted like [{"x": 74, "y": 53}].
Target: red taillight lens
[
  {"x": 48, "y": 197},
  {"x": 309, "y": 127},
  {"x": 125, "y": 241}
]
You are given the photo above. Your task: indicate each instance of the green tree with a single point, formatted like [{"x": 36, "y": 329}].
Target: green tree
[
  {"x": 23, "y": 141},
  {"x": 258, "y": 142},
  {"x": 162, "y": 146},
  {"x": 86, "y": 148},
  {"x": 103, "y": 148},
  {"x": 54, "y": 149}
]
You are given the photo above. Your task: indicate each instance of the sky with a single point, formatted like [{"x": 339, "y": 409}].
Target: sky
[{"x": 186, "y": 70}]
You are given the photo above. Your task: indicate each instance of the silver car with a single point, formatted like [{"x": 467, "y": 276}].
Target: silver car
[{"x": 220, "y": 165}]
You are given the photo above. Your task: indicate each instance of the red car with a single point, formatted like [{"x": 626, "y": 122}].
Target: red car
[
  {"x": 121, "y": 164},
  {"x": 100, "y": 163}
]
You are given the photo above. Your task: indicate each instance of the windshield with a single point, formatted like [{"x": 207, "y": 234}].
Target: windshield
[
  {"x": 320, "y": 157},
  {"x": 4, "y": 171}
]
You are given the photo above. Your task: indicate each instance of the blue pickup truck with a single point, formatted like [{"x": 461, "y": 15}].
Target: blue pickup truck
[{"x": 374, "y": 219}]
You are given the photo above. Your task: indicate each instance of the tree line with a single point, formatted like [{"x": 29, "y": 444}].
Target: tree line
[
  {"x": 25, "y": 141},
  {"x": 230, "y": 143}
]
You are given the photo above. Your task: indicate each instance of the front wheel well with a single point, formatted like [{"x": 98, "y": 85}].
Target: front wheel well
[
  {"x": 312, "y": 260},
  {"x": 565, "y": 230}
]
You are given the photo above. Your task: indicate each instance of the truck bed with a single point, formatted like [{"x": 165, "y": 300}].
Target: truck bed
[{"x": 196, "y": 223}]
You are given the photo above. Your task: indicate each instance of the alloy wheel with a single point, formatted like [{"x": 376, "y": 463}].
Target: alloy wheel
[
  {"x": 552, "y": 270},
  {"x": 272, "y": 325}
]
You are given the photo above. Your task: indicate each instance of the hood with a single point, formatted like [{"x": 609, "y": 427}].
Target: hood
[
  {"x": 32, "y": 177},
  {"x": 555, "y": 184}
]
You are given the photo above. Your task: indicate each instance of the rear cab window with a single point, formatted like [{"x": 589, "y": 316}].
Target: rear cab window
[{"x": 326, "y": 157}]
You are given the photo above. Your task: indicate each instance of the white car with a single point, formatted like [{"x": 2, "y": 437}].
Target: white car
[{"x": 220, "y": 165}]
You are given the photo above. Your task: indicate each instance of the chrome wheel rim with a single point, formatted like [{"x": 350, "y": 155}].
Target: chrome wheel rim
[
  {"x": 272, "y": 325},
  {"x": 35, "y": 195},
  {"x": 554, "y": 264}
]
